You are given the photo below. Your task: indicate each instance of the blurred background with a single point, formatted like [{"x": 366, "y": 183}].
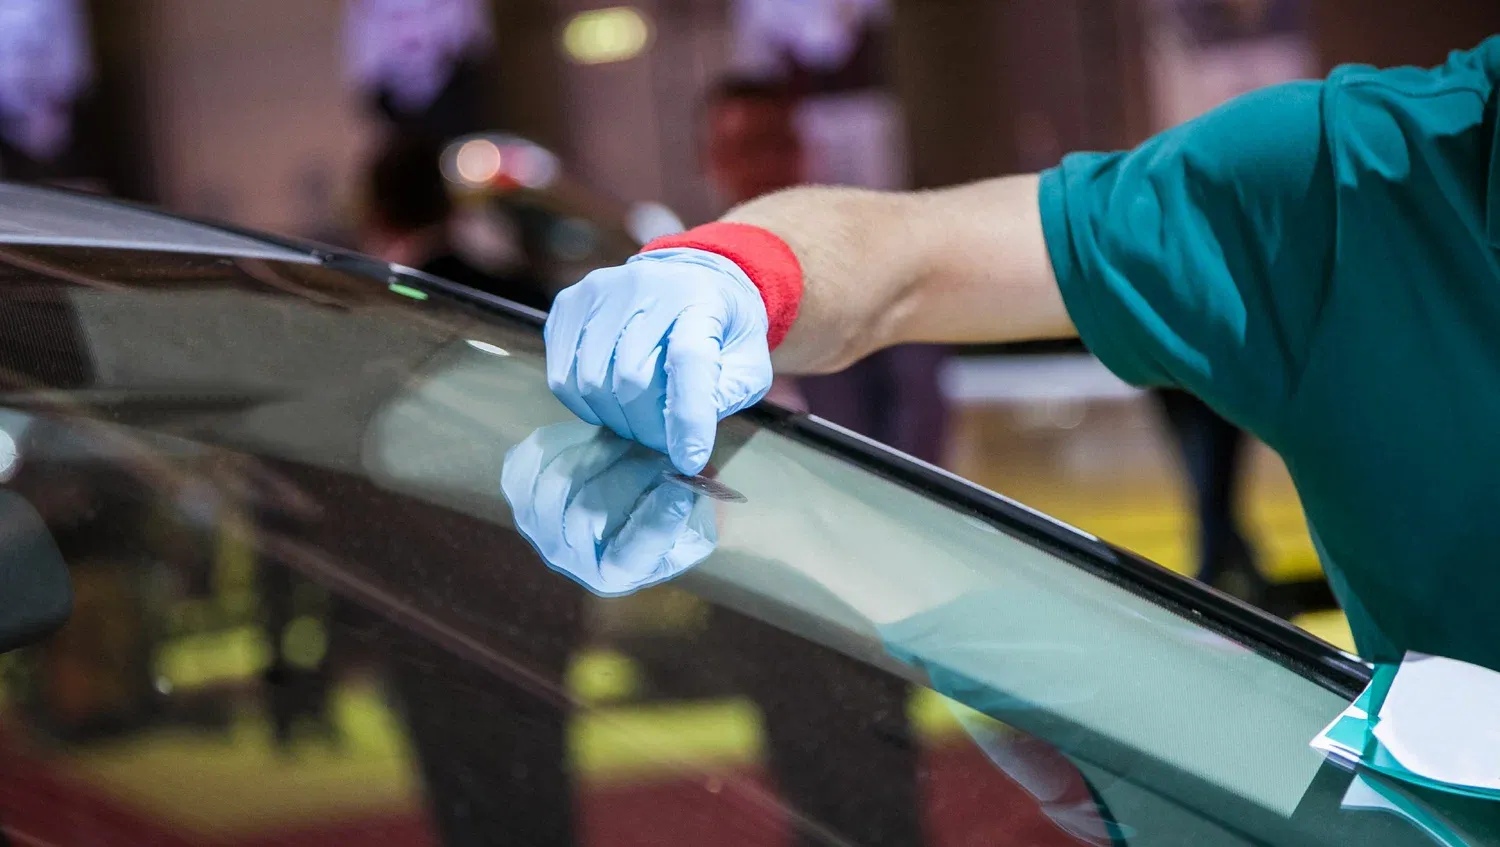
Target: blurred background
[
  {"x": 514, "y": 145},
  {"x": 263, "y": 115}
]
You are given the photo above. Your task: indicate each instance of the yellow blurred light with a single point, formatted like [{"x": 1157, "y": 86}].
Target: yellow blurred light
[
  {"x": 606, "y": 35},
  {"x": 478, "y": 161},
  {"x": 193, "y": 661},
  {"x": 305, "y": 642}
]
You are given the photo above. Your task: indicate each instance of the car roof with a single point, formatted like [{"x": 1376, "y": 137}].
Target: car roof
[{"x": 30, "y": 215}]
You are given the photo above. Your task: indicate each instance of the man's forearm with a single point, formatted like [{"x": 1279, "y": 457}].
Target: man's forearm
[{"x": 964, "y": 264}]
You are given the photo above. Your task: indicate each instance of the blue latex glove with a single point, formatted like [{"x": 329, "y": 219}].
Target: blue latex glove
[
  {"x": 603, "y": 510},
  {"x": 660, "y": 349}
]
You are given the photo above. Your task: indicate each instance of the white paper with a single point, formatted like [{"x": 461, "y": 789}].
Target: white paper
[
  {"x": 1441, "y": 720},
  {"x": 1325, "y": 744}
]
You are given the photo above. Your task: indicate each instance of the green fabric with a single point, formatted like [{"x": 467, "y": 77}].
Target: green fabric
[{"x": 1320, "y": 262}]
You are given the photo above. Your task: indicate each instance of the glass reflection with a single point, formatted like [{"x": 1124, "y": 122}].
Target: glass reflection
[
  {"x": 37, "y": 596},
  {"x": 615, "y": 517},
  {"x": 606, "y": 512}
]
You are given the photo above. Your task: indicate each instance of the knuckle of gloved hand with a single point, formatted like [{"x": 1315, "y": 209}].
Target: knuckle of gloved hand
[
  {"x": 567, "y": 299},
  {"x": 637, "y": 376},
  {"x": 593, "y": 382},
  {"x": 593, "y": 277},
  {"x": 633, "y": 383},
  {"x": 557, "y": 374},
  {"x": 612, "y": 579},
  {"x": 579, "y": 297},
  {"x": 687, "y": 358}
]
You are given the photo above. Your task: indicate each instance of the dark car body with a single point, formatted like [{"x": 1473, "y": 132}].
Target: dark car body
[{"x": 296, "y": 609}]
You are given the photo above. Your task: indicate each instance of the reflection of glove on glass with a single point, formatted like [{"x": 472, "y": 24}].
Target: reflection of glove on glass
[
  {"x": 660, "y": 349},
  {"x": 603, "y": 510}
]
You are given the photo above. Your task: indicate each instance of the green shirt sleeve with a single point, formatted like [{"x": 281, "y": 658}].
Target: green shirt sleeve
[{"x": 1200, "y": 259}]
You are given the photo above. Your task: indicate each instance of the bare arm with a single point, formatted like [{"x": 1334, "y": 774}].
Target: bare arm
[{"x": 965, "y": 264}]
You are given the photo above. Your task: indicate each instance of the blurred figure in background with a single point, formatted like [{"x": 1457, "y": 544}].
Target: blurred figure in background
[
  {"x": 832, "y": 54},
  {"x": 752, "y": 148},
  {"x": 1211, "y": 449},
  {"x": 893, "y": 396},
  {"x": 835, "y": 53},
  {"x": 46, "y": 111},
  {"x": 1203, "y": 53},
  {"x": 818, "y": 756},
  {"x": 409, "y": 219},
  {"x": 418, "y": 63},
  {"x": 752, "y": 143}
]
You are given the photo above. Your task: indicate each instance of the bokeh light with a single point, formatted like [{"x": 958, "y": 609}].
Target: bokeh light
[
  {"x": 478, "y": 161},
  {"x": 606, "y": 35}
]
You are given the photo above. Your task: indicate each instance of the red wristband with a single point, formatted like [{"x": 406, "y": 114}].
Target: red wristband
[{"x": 764, "y": 257}]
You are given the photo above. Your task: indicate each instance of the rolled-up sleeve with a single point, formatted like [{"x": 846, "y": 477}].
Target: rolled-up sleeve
[{"x": 1200, "y": 260}]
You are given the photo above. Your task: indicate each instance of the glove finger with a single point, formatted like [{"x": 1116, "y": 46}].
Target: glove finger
[
  {"x": 601, "y": 505},
  {"x": 640, "y": 378},
  {"x": 647, "y": 417},
  {"x": 562, "y": 333},
  {"x": 692, "y": 365},
  {"x": 746, "y": 375},
  {"x": 593, "y": 374},
  {"x": 518, "y": 477},
  {"x": 558, "y": 485},
  {"x": 522, "y": 469},
  {"x": 635, "y": 557},
  {"x": 699, "y": 537}
]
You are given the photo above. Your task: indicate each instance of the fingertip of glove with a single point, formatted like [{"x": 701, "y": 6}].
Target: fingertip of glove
[{"x": 691, "y": 460}]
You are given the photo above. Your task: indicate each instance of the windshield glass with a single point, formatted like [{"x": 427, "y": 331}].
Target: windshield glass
[{"x": 288, "y": 498}]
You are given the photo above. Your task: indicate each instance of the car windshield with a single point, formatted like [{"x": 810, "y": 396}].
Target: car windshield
[{"x": 288, "y": 498}]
